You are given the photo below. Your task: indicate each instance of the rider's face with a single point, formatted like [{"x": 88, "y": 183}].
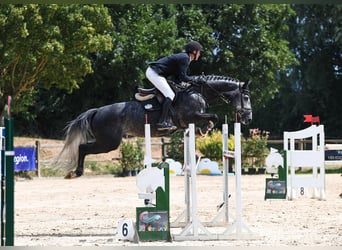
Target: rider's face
[
  {"x": 194, "y": 55},
  {"x": 197, "y": 54}
]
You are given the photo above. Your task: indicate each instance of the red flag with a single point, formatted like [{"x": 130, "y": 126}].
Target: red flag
[
  {"x": 311, "y": 119},
  {"x": 315, "y": 119},
  {"x": 307, "y": 118}
]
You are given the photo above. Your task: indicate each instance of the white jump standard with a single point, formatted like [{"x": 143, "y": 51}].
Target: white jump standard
[
  {"x": 238, "y": 230},
  {"x": 312, "y": 158},
  {"x": 194, "y": 229}
]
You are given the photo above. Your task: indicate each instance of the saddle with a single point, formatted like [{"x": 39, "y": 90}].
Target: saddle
[{"x": 152, "y": 98}]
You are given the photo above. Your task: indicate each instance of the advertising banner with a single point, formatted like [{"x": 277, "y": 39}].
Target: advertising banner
[{"x": 24, "y": 159}]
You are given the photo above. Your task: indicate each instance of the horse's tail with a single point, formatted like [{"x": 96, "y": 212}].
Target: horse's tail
[{"x": 78, "y": 132}]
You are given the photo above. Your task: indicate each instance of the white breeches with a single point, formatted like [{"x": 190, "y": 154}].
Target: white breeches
[{"x": 160, "y": 83}]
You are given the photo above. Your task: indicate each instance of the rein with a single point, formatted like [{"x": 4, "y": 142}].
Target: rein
[
  {"x": 219, "y": 94},
  {"x": 226, "y": 100}
]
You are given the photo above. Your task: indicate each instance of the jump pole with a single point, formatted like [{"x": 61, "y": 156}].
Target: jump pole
[
  {"x": 154, "y": 182},
  {"x": 7, "y": 182},
  {"x": 238, "y": 230},
  {"x": 148, "y": 152},
  {"x": 223, "y": 217},
  {"x": 149, "y": 196},
  {"x": 193, "y": 228}
]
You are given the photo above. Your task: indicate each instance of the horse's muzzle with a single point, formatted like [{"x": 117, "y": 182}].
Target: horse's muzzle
[{"x": 246, "y": 117}]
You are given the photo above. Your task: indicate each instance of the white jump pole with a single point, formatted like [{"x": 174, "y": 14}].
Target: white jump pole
[
  {"x": 225, "y": 163},
  {"x": 237, "y": 144},
  {"x": 149, "y": 196},
  {"x": 184, "y": 218},
  {"x": 193, "y": 227},
  {"x": 222, "y": 218},
  {"x": 236, "y": 230},
  {"x": 148, "y": 152}
]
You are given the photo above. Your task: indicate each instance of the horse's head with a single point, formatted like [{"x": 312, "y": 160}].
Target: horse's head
[
  {"x": 242, "y": 103},
  {"x": 231, "y": 91}
]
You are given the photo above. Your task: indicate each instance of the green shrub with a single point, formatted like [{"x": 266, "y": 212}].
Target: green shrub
[
  {"x": 254, "y": 148},
  {"x": 175, "y": 149},
  {"x": 132, "y": 154},
  {"x": 211, "y": 145}
]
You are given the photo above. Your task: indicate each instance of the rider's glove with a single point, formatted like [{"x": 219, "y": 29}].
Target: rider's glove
[{"x": 200, "y": 80}]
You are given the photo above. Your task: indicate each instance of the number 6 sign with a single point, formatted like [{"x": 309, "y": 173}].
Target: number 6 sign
[{"x": 126, "y": 230}]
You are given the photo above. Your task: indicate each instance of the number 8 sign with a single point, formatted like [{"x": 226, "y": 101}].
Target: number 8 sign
[{"x": 125, "y": 230}]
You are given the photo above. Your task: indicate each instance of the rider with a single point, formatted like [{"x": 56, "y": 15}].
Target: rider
[{"x": 174, "y": 65}]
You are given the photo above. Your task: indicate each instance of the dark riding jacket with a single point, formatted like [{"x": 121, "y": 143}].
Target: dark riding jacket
[{"x": 174, "y": 65}]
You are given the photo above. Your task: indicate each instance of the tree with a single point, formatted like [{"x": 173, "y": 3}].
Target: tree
[
  {"x": 247, "y": 42},
  {"x": 242, "y": 41},
  {"x": 141, "y": 33},
  {"x": 48, "y": 45},
  {"x": 314, "y": 85},
  {"x": 252, "y": 45}
]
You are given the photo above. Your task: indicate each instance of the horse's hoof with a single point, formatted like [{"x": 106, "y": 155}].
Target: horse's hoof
[
  {"x": 211, "y": 125},
  {"x": 71, "y": 175},
  {"x": 201, "y": 133}
]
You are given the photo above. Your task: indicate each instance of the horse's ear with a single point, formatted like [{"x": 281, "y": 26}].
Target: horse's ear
[{"x": 246, "y": 85}]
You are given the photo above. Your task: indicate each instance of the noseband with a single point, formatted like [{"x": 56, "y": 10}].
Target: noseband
[{"x": 242, "y": 109}]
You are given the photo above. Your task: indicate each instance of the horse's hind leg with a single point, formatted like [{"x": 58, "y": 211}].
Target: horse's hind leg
[{"x": 83, "y": 151}]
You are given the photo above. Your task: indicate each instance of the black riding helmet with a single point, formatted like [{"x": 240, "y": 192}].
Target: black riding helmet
[{"x": 193, "y": 45}]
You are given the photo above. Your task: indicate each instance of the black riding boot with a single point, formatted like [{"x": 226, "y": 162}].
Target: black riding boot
[{"x": 164, "y": 124}]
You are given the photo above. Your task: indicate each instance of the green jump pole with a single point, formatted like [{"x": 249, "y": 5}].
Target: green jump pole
[
  {"x": 7, "y": 197},
  {"x": 3, "y": 187},
  {"x": 9, "y": 165}
]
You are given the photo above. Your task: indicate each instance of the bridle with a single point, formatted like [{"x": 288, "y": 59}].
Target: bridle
[
  {"x": 242, "y": 109},
  {"x": 242, "y": 91}
]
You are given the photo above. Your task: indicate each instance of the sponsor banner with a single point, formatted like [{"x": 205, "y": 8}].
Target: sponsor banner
[
  {"x": 24, "y": 159},
  {"x": 333, "y": 155}
]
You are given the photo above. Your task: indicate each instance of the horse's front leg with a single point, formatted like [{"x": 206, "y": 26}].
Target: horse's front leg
[{"x": 209, "y": 119}]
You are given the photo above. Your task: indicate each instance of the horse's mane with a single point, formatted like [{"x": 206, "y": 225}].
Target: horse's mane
[
  {"x": 212, "y": 80},
  {"x": 216, "y": 78}
]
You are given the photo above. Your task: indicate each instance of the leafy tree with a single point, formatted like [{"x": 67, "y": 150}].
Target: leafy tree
[
  {"x": 49, "y": 45},
  {"x": 313, "y": 86},
  {"x": 141, "y": 33},
  {"x": 242, "y": 41},
  {"x": 252, "y": 45}
]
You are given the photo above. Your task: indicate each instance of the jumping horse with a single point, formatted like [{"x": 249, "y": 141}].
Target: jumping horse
[{"x": 100, "y": 130}]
